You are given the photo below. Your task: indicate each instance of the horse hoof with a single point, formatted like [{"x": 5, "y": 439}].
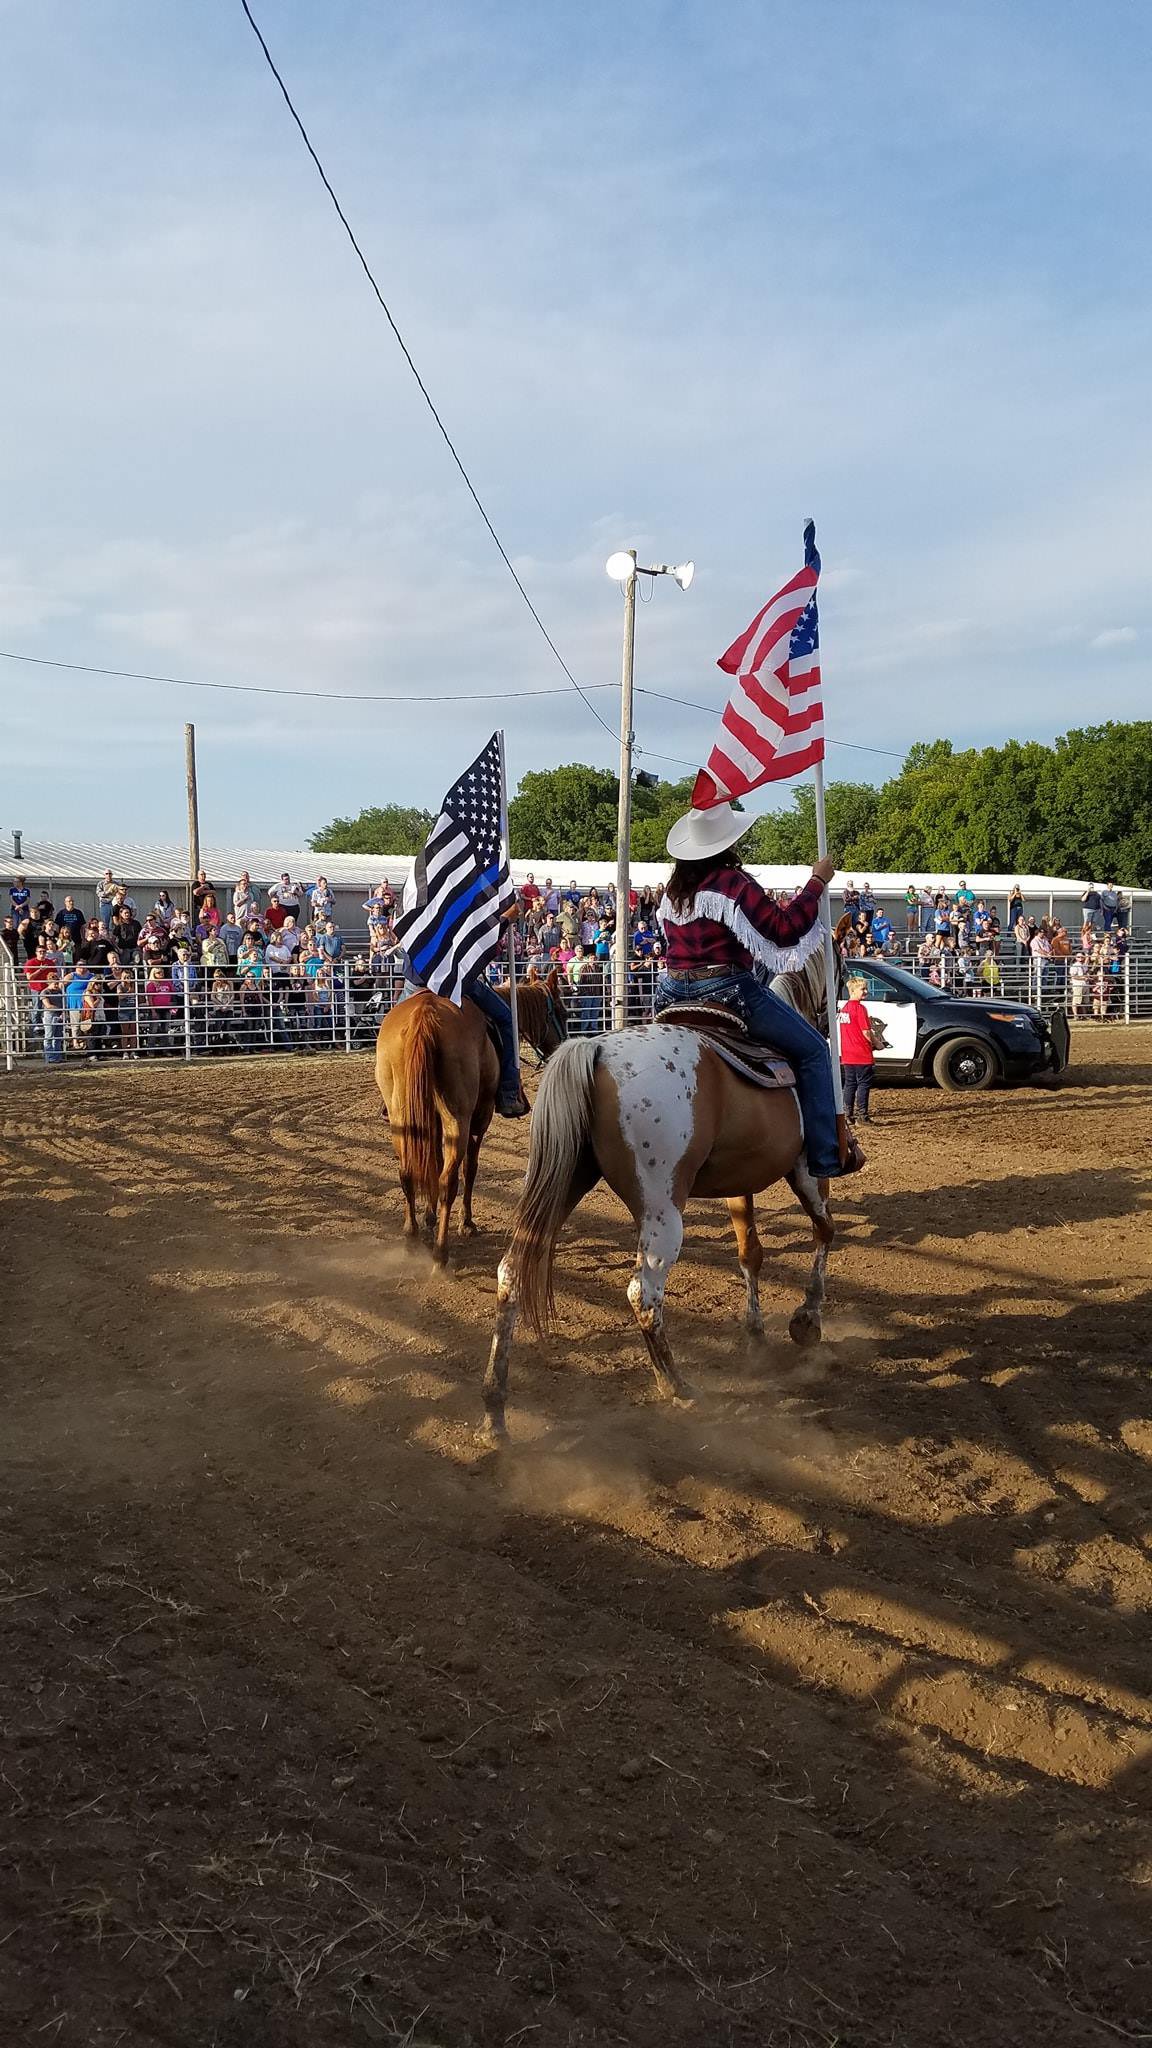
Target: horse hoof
[
  {"x": 469, "y": 1230},
  {"x": 804, "y": 1329},
  {"x": 493, "y": 1432},
  {"x": 755, "y": 1330}
]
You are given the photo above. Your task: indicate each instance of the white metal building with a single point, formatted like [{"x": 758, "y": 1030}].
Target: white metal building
[{"x": 75, "y": 866}]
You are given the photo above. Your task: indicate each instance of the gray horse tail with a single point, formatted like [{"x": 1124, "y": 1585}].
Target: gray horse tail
[{"x": 561, "y": 1130}]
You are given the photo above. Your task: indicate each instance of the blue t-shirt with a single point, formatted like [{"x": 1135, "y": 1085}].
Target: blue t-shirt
[{"x": 20, "y": 899}]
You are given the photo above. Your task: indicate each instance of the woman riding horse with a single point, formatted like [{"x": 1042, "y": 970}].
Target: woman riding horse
[{"x": 719, "y": 929}]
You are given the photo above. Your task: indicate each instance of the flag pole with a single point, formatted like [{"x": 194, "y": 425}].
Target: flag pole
[
  {"x": 831, "y": 966},
  {"x": 511, "y": 935}
]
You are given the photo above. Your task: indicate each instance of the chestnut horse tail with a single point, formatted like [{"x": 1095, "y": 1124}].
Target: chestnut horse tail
[
  {"x": 561, "y": 1128},
  {"x": 421, "y": 1150}
]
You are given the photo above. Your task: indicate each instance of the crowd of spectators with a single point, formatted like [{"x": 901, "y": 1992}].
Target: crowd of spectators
[
  {"x": 958, "y": 941},
  {"x": 232, "y": 969},
  {"x": 246, "y": 967}
]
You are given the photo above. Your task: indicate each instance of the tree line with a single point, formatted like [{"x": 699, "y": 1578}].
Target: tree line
[{"x": 1082, "y": 806}]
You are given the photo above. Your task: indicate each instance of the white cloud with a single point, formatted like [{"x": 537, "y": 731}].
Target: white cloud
[{"x": 1115, "y": 636}]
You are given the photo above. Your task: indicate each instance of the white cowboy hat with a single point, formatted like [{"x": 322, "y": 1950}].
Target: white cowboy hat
[{"x": 700, "y": 833}]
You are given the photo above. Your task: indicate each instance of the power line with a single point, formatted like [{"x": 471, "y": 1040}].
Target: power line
[
  {"x": 407, "y": 354},
  {"x": 134, "y": 675},
  {"x": 690, "y": 704}
]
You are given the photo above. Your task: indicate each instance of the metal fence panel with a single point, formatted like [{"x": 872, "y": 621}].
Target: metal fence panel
[{"x": 142, "y": 1016}]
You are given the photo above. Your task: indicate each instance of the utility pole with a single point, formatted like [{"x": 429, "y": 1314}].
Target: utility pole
[
  {"x": 624, "y": 812},
  {"x": 193, "y": 812},
  {"x": 622, "y": 568}
]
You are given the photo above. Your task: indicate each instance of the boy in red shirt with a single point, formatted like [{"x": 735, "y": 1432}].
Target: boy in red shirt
[{"x": 856, "y": 1054}]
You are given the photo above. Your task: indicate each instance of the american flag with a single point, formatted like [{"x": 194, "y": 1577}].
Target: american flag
[
  {"x": 773, "y": 723},
  {"x": 459, "y": 887}
]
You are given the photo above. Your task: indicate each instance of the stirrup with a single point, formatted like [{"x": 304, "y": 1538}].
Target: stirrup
[{"x": 852, "y": 1154}]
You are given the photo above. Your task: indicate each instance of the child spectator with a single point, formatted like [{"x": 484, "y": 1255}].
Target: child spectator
[
  {"x": 221, "y": 1005},
  {"x": 74, "y": 989},
  {"x": 128, "y": 1014},
  {"x": 252, "y": 1011},
  {"x": 52, "y": 1010},
  {"x": 92, "y": 1018},
  {"x": 160, "y": 998},
  {"x": 856, "y": 1051},
  {"x": 19, "y": 896}
]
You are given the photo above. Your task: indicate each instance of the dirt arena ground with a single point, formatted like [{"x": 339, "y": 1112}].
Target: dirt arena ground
[{"x": 819, "y": 1714}]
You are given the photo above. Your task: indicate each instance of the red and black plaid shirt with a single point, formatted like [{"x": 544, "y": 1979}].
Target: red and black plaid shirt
[{"x": 734, "y": 925}]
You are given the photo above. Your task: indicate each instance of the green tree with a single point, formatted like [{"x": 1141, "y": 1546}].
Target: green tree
[
  {"x": 1081, "y": 807},
  {"x": 384, "y": 828},
  {"x": 788, "y": 838},
  {"x": 569, "y": 813},
  {"x": 564, "y": 814}
]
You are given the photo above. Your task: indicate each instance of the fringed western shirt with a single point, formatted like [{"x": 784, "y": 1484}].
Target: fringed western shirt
[{"x": 731, "y": 925}]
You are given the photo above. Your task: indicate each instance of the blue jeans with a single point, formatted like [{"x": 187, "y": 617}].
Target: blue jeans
[
  {"x": 857, "y": 1090},
  {"x": 775, "y": 1023},
  {"x": 53, "y": 1037},
  {"x": 491, "y": 1005}
]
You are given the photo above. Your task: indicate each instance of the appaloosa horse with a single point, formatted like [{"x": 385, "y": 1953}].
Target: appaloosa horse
[
  {"x": 438, "y": 1072},
  {"x": 660, "y": 1116}
]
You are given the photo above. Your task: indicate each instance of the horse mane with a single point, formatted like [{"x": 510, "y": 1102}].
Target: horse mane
[{"x": 804, "y": 988}]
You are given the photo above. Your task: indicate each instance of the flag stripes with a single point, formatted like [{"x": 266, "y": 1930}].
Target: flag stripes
[
  {"x": 772, "y": 726},
  {"x": 459, "y": 887}
]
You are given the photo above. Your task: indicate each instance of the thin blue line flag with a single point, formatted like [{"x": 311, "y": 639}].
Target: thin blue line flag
[{"x": 459, "y": 887}]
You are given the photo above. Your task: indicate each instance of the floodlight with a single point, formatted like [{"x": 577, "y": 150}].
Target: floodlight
[
  {"x": 684, "y": 573},
  {"x": 621, "y": 567}
]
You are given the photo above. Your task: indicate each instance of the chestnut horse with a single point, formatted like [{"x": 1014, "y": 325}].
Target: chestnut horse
[
  {"x": 438, "y": 1071},
  {"x": 660, "y": 1116}
]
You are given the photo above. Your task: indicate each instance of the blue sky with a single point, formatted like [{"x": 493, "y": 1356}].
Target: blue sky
[{"x": 676, "y": 276}]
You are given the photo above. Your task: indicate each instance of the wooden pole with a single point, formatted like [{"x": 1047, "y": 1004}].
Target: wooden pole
[{"x": 193, "y": 812}]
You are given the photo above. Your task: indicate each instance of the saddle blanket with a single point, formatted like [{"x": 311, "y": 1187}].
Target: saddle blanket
[{"x": 726, "y": 1035}]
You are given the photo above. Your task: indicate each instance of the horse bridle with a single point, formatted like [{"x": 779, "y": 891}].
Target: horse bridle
[{"x": 559, "y": 1019}]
